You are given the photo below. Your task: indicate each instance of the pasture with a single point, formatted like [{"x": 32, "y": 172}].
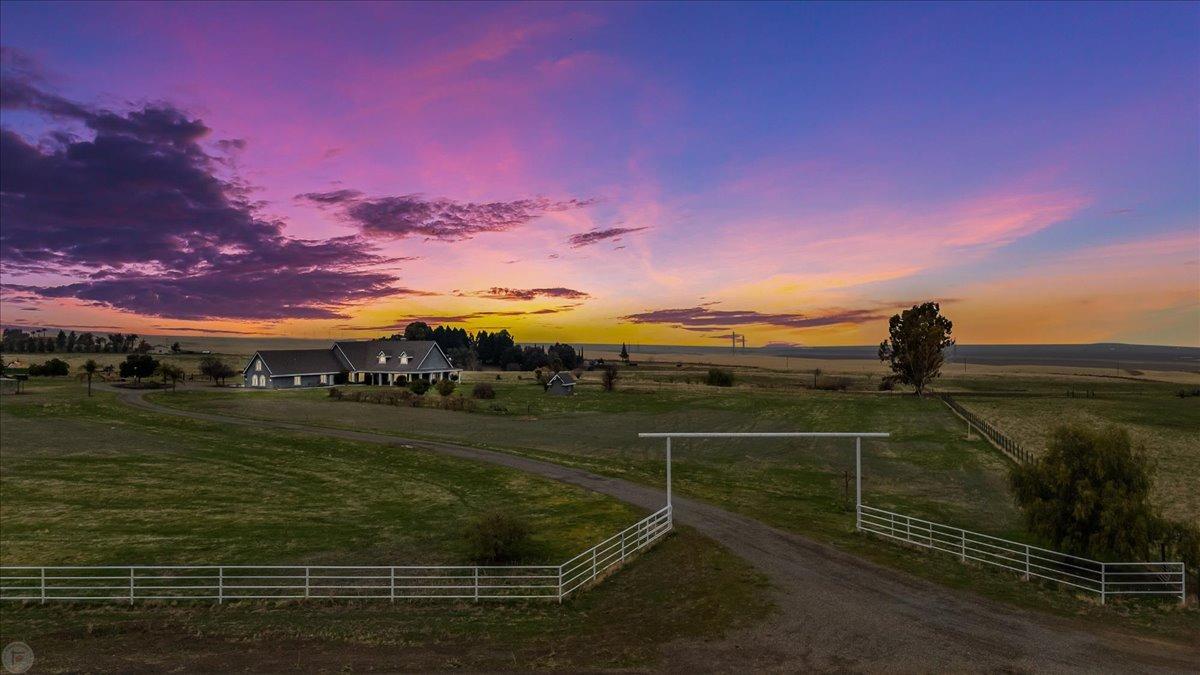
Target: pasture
[{"x": 91, "y": 481}]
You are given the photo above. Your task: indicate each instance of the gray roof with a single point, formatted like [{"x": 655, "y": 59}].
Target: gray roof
[
  {"x": 564, "y": 376},
  {"x": 364, "y": 354},
  {"x": 299, "y": 361}
]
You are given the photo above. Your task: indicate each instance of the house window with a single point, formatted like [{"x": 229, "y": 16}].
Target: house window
[
  {"x": 296, "y": 380},
  {"x": 404, "y": 359},
  {"x": 322, "y": 379},
  {"x": 258, "y": 364},
  {"x": 382, "y": 357}
]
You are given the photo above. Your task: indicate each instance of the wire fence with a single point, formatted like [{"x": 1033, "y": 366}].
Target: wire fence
[
  {"x": 1008, "y": 446},
  {"x": 221, "y": 583},
  {"x": 1103, "y": 578}
]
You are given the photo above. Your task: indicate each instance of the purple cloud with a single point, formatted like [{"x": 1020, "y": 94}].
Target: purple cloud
[
  {"x": 139, "y": 214},
  {"x": 707, "y": 319},
  {"x": 498, "y": 293},
  {"x": 434, "y": 320},
  {"x": 596, "y": 236},
  {"x": 440, "y": 219}
]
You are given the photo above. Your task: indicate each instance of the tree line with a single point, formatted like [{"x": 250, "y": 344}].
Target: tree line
[
  {"x": 16, "y": 340},
  {"x": 499, "y": 349}
]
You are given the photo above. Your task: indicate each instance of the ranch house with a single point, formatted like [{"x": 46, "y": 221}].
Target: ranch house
[{"x": 378, "y": 362}]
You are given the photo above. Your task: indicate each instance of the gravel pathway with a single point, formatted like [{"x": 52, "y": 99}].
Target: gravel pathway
[{"x": 835, "y": 611}]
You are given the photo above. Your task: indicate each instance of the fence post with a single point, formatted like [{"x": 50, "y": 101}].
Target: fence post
[
  {"x": 963, "y": 544},
  {"x": 593, "y": 563},
  {"x": 392, "y": 583},
  {"x": 622, "y": 545},
  {"x": 1026, "y": 577},
  {"x": 1103, "y": 582},
  {"x": 560, "y": 584},
  {"x": 43, "y": 585},
  {"x": 220, "y": 585},
  {"x": 131, "y": 585},
  {"x": 476, "y": 582},
  {"x": 1183, "y": 584},
  {"x": 306, "y": 586}
]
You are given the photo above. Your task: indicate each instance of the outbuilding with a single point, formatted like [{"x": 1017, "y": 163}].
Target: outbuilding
[{"x": 561, "y": 384}]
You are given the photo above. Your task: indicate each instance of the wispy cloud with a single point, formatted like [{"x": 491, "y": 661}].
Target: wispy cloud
[
  {"x": 707, "y": 319},
  {"x": 596, "y": 236},
  {"x": 440, "y": 219},
  {"x": 500, "y": 293}
]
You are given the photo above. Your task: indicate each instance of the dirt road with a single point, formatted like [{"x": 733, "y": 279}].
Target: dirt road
[{"x": 836, "y": 612}]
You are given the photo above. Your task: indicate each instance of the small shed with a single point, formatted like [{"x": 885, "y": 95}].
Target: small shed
[{"x": 561, "y": 384}]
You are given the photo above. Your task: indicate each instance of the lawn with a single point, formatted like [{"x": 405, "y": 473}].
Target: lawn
[{"x": 91, "y": 481}]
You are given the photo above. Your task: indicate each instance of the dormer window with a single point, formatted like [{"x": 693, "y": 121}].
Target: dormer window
[
  {"x": 382, "y": 358},
  {"x": 403, "y": 359}
]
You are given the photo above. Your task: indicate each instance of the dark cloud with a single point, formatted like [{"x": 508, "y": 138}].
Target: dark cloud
[
  {"x": 498, "y": 293},
  {"x": 139, "y": 214},
  {"x": 213, "y": 331},
  {"x": 436, "y": 319},
  {"x": 597, "y": 236},
  {"x": 440, "y": 219},
  {"x": 707, "y": 319}
]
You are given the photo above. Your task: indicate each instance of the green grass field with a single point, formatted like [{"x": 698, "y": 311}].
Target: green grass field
[
  {"x": 927, "y": 468},
  {"x": 91, "y": 481},
  {"x": 1166, "y": 425}
]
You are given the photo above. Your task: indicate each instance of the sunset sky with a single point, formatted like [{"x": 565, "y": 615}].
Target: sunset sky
[{"x": 601, "y": 173}]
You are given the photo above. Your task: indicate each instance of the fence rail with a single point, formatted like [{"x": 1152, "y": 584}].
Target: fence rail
[
  {"x": 220, "y": 583},
  {"x": 1005, "y": 444},
  {"x": 1103, "y": 578}
]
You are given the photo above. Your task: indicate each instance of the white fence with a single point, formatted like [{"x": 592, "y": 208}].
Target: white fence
[
  {"x": 130, "y": 583},
  {"x": 1103, "y": 578}
]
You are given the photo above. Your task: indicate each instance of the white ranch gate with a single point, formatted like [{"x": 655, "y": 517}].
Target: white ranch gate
[{"x": 1103, "y": 578}]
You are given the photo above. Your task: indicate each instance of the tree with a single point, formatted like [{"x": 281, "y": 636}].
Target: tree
[
  {"x": 215, "y": 369},
  {"x": 51, "y": 368},
  {"x": 170, "y": 371},
  {"x": 418, "y": 330},
  {"x": 175, "y": 348},
  {"x": 138, "y": 366},
  {"x": 1089, "y": 494},
  {"x": 624, "y": 353},
  {"x": 89, "y": 368},
  {"x": 72, "y": 338},
  {"x": 60, "y": 342},
  {"x": 913, "y": 350},
  {"x": 610, "y": 378}
]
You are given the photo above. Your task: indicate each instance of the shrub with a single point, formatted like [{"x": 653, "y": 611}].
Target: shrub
[
  {"x": 483, "y": 390},
  {"x": 418, "y": 387},
  {"x": 833, "y": 383},
  {"x": 497, "y": 539},
  {"x": 51, "y": 368},
  {"x": 888, "y": 383},
  {"x": 1187, "y": 393},
  {"x": 719, "y": 378},
  {"x": 1089, "y": 494},
  {"x": 445, "y": 387},
  {"x": 336, "y": 393},
  {"x": 610, "y": 378}
]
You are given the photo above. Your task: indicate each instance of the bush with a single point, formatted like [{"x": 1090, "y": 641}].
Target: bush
[
  {"x": 51, "y": 368},
  {"x": 1089, "y": 494},
  {"x": 483, "y": 390},
  {"x": 445, "y": 387},
  {"x": 418, "y": 387},
  {"x": 610, "y": 378},
  {"x": 888, "y": 383},
  {"x": 1188, "y": 393},
  {"x": 719, "y": 378},
  {"x": 833, "y": 383},
  {"x": 498, "y": 539}
]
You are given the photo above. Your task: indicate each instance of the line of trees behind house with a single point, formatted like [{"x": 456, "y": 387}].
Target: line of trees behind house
[{"x": 498, "y": 349}]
